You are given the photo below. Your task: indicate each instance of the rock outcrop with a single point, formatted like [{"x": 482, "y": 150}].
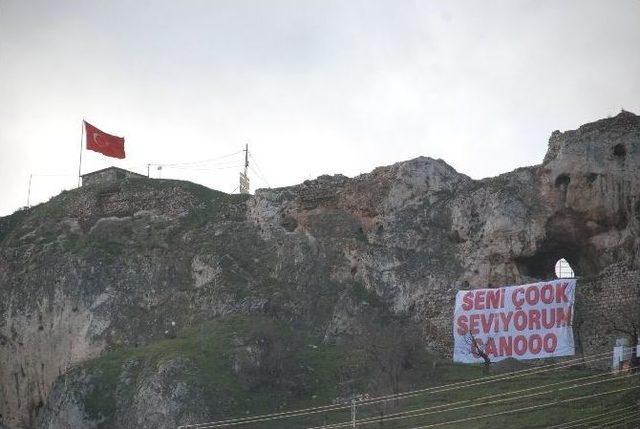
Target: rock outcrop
[{"x": 121, "y": 269}]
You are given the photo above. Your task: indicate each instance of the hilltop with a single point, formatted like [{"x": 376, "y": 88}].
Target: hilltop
[{"x": 153, "y": 303}]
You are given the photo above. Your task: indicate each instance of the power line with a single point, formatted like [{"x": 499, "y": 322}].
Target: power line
[
  {"x": 616, "y": 420},
  {"x": 259, "y": 170},
  {"x": 580, "y": 422},
  {"x": 635, "y": 420},
  {"x": 260, "y": 176},
  {"x": 204, "y": 161},
  {"x": 491, "y": 379},
  {"x": 435, "y": 389},
  {"x": 531, "y": 408},
  {"x": 201, "y": 167},
  {"x": 226, "y": 167},
  {"x": 204, "y": 166},
  {"x": 421, "y": 412}
]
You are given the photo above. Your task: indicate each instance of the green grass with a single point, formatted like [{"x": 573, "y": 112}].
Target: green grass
[
  {"x": 11, "y": 222},
  {"x": 312, "y": 373},
  {"x": 435, "y": 403},
  {"x": 361, "y": 293},
  {"x": 208, "y": 351}
]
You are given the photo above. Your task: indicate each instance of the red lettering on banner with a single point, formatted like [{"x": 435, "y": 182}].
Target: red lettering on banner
[
  {"x": 493, "y": 299},
  {"x": 535, "y": 344},
  {"x": 561, "y": 293},
  {"x": 520, "y": 345},
  {"x": 532, "y": 295},
  {"x": 548, "y": 318},
  {"x": 520, "y": 320},
  {"x": 563, "y": 317},
  {"x": 534, "y": 319},
  {"x": 505, "y": 346},
  {"x": 506, "y": 319},
  {"x": 490, "y": 347},
  {"x": 531, "y": 322},
  {"x": 462, "y": 325},
  {"x": 546, "y": 294},
  {"x": 518, "y": 302},
  {"x": 486, "y": 322},
  {"x": 550, "y": 342},
  {"x": 479, "y": 300},
  {"x": 467, "y": 301},
  {"x": 473, "y": 324}
]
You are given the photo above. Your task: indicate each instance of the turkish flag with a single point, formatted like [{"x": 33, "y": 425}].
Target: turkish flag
[{"x": 106, "y": 144}]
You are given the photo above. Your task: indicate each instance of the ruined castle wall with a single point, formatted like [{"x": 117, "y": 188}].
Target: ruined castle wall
[
  {"x": 109, "y": 175},
  {"x": 607, "y": 307}
]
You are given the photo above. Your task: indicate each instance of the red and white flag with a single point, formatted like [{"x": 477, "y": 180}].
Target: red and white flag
[{"x": 106, "y": 144}]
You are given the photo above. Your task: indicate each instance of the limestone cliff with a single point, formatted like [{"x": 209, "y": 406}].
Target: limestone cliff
[{"x": 171, "y": 282}]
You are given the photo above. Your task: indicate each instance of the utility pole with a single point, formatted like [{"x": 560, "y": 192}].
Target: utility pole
[
  {"x": 353, "y": 413},
  {"x": 29, "y": 191},
  {"x": 244, "y": 177}
]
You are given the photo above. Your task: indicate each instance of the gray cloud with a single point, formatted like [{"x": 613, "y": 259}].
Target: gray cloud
[{"x": 315, "y": 87}]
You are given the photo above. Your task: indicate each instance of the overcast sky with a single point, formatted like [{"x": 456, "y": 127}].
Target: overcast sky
[{"x": 314, "y": 87}]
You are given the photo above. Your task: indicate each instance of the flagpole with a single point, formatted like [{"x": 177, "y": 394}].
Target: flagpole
[
  {"x": 29, "y": 191},
  {"x": 80, "y": 163}
]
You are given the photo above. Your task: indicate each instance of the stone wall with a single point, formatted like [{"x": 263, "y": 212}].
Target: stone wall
[
  {"x": 108, "y": 175},
  {"x": 607, "y": 307}
]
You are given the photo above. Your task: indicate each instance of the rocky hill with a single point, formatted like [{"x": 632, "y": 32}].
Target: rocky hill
[{"x": 207, "y": 305}]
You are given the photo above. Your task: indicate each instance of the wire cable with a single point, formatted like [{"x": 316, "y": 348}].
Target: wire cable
[
  {"x": 259, "y": 172},
  {"x": 531, "y": 408},
  {"x": 580, "y": 422},
  {"x": 635, "y": 420},
  {"x": 420, "y": 412},
  {"x": 204, "y": 169},
  {"x": 616, "y": 420},
  {"x": 491, "y": 379},
  {"x": 433, "y": 389},
  {"x": 262, "y": 179},
  {"x": 436, "y": 389},
  {"x": 204, "y": 161}
]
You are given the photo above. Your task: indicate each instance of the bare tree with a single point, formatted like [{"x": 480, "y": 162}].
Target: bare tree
[
  {"x": 477, "y": 350},
  {"x": 391, "y": 352}
]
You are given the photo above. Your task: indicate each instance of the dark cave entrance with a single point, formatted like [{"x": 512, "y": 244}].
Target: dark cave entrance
[
  {"x": 567, "y": 240},
  {"x": 549, "y": 264},
  {"x": 559, "y": 262}
]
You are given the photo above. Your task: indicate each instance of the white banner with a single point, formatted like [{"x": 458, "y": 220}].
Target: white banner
[{"x": 523, "y": 322}]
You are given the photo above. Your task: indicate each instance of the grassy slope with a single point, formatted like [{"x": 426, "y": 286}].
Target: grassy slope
[
  {"x": 317, "y": 372},
  {"x": 209, "y": 349}
]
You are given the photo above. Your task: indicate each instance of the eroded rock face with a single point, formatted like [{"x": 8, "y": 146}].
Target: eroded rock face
[{"x": 98, "y": 268}]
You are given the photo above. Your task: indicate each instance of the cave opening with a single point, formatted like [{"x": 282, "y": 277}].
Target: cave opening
[
  {"x": 564, "y": 252},
  {"x": 563, "y": 180},
  {"x": 619, "y": 150}
]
